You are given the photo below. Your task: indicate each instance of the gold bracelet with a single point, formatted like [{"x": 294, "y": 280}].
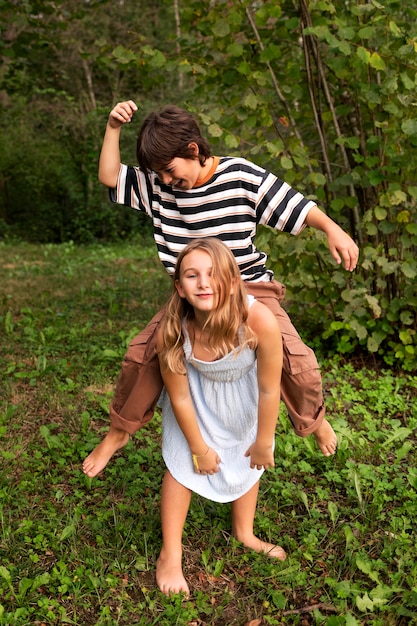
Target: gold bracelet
[{"x": 195, "y": 458}]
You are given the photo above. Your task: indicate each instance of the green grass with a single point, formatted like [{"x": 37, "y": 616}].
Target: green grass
[{"x": 80, "y": 551}]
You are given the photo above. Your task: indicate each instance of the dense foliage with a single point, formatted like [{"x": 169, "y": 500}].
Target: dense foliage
[
  {"x": 321, "y": 92},
  {"x": 83, "y": 552}
]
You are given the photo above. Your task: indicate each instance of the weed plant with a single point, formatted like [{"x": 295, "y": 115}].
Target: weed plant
[{"x": 82, "y": 552}]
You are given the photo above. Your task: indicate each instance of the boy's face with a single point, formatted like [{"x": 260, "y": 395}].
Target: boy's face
[{"x": 181, "y": 173}]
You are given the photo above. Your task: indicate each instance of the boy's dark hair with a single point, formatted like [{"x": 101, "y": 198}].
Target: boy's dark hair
[{"x": 165, "y": 135}]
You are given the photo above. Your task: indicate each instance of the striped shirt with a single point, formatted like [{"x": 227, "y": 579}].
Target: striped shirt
[{"x": 239, "y": 196}]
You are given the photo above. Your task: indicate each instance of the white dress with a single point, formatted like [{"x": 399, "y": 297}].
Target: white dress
[{"x": 225, "y": 397}]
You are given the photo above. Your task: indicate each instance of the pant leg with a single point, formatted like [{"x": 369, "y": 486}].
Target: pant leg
[
  {"x": 139, "y": 384},
  {"x": 301, "y": 384}
]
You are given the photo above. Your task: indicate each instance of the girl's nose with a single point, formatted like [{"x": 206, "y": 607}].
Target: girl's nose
[{"x": 204, "y": 281}]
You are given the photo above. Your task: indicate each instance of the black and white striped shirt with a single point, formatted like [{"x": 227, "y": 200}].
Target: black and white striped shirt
[{"x": 239, "y": 196}]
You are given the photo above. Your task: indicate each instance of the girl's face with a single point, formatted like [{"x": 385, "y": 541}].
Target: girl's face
[{"x": 195, "y": 283}]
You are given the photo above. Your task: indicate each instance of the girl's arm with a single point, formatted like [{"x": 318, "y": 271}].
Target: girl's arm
[
  {"x": 109, "y": 164},
  {"x": 205, "y": 459},
  {"x": 269, "y": 363}
]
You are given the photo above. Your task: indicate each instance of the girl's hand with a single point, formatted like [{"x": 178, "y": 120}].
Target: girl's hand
[
  {"x": 207, "y": 463},
  {"x": 261, "y": 456}
]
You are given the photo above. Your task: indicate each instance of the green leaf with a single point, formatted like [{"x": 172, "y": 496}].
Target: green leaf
[
  {"x": 400, "y": 434},
  {"x": 394, "y": 29},
  {"x": 124, "y": 56},
  {"x": 244, "y": 68},
  {"x": 388, "y": 267},
  {"x": 364, "y": 603},
  {"x": 286, "y": 163},
  {"x": 403, "y": 217},
  {"x": 271, "y": 52},
  {"x": 366, "y": 567},
  {"x": 221, "y": 28},
  {"x": 333, "y": 511},
  {"x": 409, "y": 127},
  {"x": 406, "y": 336},
  {"x": 231, "y": 141},
  {"x": 344, "y": 47},
  {"x": 4, "y": 573},
  {"x": 158, "y": 60},
  {"x": 68, "y": 531},
  {"x": 366, "y": 32},
  {"x": 407, "y": 318},
  {"x": 377, "y": 62},
  {"x": 380, "y": 213},
  {"x": 235, "y": 49},
  {"x": 373, "y": 305},
  {"x": 411, "y": 228},
  {"x": 409, "y": 269},
  {"x": 24, "y": 585},
  {"x": 359, "y": 329},
  {"x": 317, "y": 178},
  {"x": 215, "y": 130},
  {"x": 407, "y": 81},
  {"x": 363, "y": 54},
  {"x": 110, "y": 354},
  {"x": 372, "y": 345},
  {"x": 397, "y": 197},
  {"x": 251, "y": 101}
]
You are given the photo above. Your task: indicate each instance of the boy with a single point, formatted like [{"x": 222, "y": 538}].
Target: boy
[{"x": 189, "y": 193}]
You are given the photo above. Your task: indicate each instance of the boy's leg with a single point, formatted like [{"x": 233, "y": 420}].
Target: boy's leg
[
  {"x": 243, "y": 515},
  {"x": 175, "y": 502},
  {"x": 138, "y": 388},
  {"x": 301, "y": 384}
]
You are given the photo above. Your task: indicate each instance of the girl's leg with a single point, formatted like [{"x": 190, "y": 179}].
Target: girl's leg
[
  {"x": 175, "y": 502},
  {"x": 243, "y": 515}
]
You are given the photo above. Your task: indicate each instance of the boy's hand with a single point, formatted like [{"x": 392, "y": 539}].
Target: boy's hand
[
  {"x": 342, "y": 248},
  {"x": 122, "y": 113},
  {"x": 260, "y": 456}
]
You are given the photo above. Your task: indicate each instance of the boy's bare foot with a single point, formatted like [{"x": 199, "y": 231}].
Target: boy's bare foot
[
  {"x": 271, "y": 550},
  {"x": 326, "y": 438},
  {"x": 169, "y": 577},
  {"x": 101, "y": 455}
]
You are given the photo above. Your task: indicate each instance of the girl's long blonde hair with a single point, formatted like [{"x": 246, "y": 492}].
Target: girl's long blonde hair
[{"x": 227, "y": 323}]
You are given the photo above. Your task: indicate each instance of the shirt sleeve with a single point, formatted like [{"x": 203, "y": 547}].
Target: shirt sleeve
[
  {"x": 133, "y": 189},
  {"x": 280, "y": 206}
]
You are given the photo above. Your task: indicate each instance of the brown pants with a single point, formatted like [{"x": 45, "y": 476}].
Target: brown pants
[{"x": 140, "y": 384}]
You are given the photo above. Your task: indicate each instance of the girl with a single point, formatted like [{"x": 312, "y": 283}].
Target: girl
[{"x": 220, "y": 354}]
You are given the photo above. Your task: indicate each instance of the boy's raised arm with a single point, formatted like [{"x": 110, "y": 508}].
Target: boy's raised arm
[{"x": 109, "y": 164}]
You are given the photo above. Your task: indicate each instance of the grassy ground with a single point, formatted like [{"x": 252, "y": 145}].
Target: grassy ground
[{"x": 80, "y": 551}]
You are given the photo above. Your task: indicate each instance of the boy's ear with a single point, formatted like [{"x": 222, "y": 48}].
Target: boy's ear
[
  {"x": 194, "y": 147},
  {"x": 179, "y": 289}
]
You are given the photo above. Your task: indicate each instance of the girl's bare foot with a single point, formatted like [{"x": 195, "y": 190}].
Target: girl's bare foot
[
  {"x": 101, "y": 455},
  {"x": 169, "y": 577},
  {"x": 271, "y": 550},
  {"x": 326, "y": 438}
]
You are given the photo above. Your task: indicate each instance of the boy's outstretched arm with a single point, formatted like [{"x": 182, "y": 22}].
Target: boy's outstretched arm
[
  {"x": 109, "y": 163},
  {"x": 341, "y": 245}
]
